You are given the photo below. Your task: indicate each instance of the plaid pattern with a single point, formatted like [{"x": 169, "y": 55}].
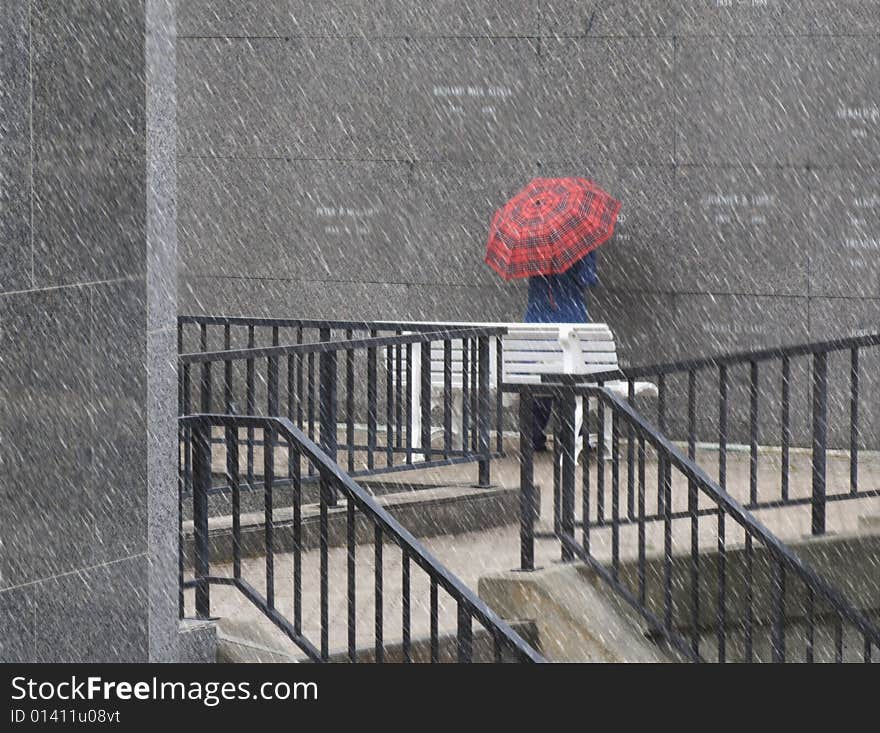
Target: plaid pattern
[{"x": 548, "y": 226}]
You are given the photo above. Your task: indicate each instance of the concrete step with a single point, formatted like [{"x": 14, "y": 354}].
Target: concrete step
[
  {"x": 426, "y": 512},
  {"x": 237, "y": 650},
  {"x": 197, "y": 641}
]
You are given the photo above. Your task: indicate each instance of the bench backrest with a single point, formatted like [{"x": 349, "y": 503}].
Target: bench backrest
[{"x": 533, "y": 350}]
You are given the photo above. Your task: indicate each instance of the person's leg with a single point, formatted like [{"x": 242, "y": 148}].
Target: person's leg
[{"x": 542, "y": 407}]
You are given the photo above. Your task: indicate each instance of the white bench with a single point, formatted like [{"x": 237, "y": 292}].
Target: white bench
[{"x": 532, "y": 351}]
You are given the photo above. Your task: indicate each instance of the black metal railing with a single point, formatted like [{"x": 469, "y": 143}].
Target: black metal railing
[
  {"x": 809, "y": 396},
  {"x": 362, "y": 390},
  {"x": 300, "y": 603},
  {"x": 719, "y": 585}
]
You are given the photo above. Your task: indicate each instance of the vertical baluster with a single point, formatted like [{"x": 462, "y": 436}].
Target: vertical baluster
[
  {"x": 667, "y": 543},
  {"x": 297, "y": 538},
  {"x": 661, "y": 426},
  {"x": 838, "y": 641},
  {"x": 820, "y": 440},
  {"x": 557, "y": 466},
  {"x": 311, "y": 401},
  {"x": 641, "y": 529},
  {"x": 232, "y": 471},
  {"x": 722, "y": 426},
  {"x": 464, "y": 635},
  {"x": 465, "y": 396},
  {"x": 693, "y": 511},
  {"x": 750, "y": 598},
  {"x": 228, "y": 405},
  {"x": 566, "y": 410},
  {"x": 721, "y": 615},
  {"x": 630, "y": 456},
  {"x": 405, "y": 599},
  {"x": 201, "y": 486},
  {"x": 854, "y": 421},
  {"x": 615, "y": 495},
  {"x": 527, "y": 483},
  {"x": 268, "y": 499},
  {"x": 811, "y": 625},
  {"x": 753, "y": 433},
  {"x": 389, "y": 406},
  {"x": 434, "y": 618},
  {"x": 499, "y": 395},
  {"x": 206, "y": 385},
  {"x": 299, "y": 380},
  {"x": 398, "y": 397},
  {"x": 186, "y": 409},
  {"x": 425, "y": 388},
  {"x": 600, "y": 459},
  {"x": 409, "y": 405},
  {"x": 585, "y": 487},
  {"x": 372, "y": 404},
  {"x": 447, "y": 397},
  {"x": 250, "y": 405},
  {"x": 377, "y": 577},
  {"x": 291, "y": 407},
  {"x": 349, "y": 407},
  {"x": 483, "y": 423},
  {"x": 351, "y": 542},
  {"x": 777, "y": 640},
  {"x": 786, "y": 427},
  {"x": 475, "y": 397},
  {"x": 324, "y": 567}
]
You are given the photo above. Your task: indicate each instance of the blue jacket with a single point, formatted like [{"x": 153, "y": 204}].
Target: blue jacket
[{"x": 561, "y": 298}]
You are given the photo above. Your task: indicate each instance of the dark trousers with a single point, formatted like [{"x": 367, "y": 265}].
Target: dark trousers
[{"x": 542, "y": 408}]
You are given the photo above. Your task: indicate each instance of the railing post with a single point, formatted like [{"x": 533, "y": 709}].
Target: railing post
[
  {"x": 425, "y": 398},
  {"x": 565, "y": 401},
  {"x": 527, "y": 501},
  {"x": 484, "y": 403},
  {"x": 820, "y": 440},
  {"x": 201, "y": 485},
  {"x": 327, "y": 404}
]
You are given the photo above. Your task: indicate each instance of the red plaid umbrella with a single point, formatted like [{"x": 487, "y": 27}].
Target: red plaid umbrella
[{"x": 548, "y": 226}]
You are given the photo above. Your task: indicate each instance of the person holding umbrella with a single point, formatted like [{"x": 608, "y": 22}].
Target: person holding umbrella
[{"x": 549, "y": 233}]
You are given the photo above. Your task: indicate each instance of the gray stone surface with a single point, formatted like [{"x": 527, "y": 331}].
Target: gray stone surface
[
  {"x": 473, "y": 99},
  {"x": 735, "y": 17},
  {"x": 87, "y": 306},
  {"x": 844, "y": 17},
  {"x": 93, "y": 615},
  {"x": 845, "y": 219},
  {"x": 15, "y": 165},
  {"x": 18, "y": 621},
  {"x": 608, "y": 99},
  {"x": 621, "y": 18},
  {"x": 843, "y": 106},
  {"x": 740, "y": 137},
  {"x": 740, "y": 231}
]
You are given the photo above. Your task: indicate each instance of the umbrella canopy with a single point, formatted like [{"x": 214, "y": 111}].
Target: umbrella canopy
[{"x": 548, "y": 226}]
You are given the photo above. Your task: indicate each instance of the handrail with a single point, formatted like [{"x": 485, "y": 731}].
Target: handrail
[
  {"x": 740, "y": 357},
  {"x": 328, "y": 468},
  {"x": 324, "y": 347},
  {"x": 827, "y": 375},
  {"x": 628, "y": 420},
  {"x": 312, "y": 323}
]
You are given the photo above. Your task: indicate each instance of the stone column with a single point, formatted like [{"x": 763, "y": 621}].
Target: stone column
[{"x": 87, "y": 330}]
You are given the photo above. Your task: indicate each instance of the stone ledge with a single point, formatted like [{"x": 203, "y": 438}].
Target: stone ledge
[{"x": 425, "y": 513}]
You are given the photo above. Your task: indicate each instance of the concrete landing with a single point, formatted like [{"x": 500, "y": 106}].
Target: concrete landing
[{"x": 577, "y": 617}]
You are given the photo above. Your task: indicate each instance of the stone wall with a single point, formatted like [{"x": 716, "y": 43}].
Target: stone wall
[
  {"x": 87, "y": 324},
  {"x": 343, "y": 159}
]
